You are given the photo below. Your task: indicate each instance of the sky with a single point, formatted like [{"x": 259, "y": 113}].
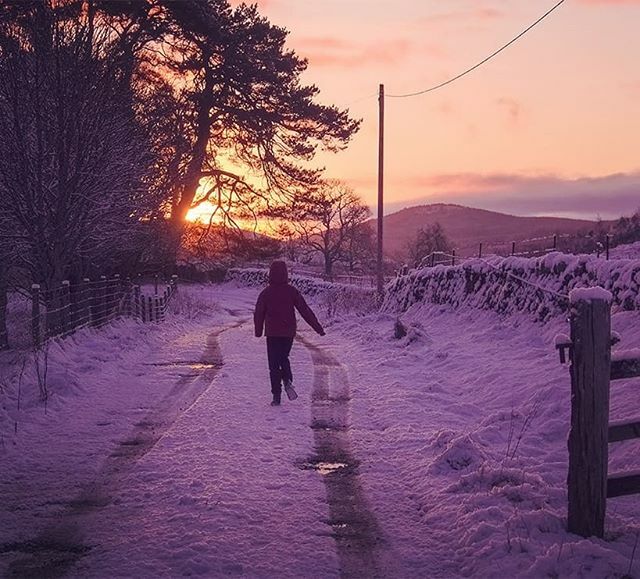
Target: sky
[{"x": 551, "y": 126}]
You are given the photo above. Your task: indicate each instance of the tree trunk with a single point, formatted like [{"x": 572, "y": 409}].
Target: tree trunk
[
  {"x": 189, "y": 184},
  {"x": 328, "y": 266}
]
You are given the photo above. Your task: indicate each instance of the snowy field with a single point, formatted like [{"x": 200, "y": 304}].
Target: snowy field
[{"x": 158, "y": 455}]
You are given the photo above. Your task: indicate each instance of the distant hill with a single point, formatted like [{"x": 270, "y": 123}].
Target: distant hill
[{"x": 467, "y": 227}]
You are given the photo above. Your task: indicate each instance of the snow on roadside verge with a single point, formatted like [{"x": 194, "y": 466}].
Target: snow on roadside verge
[{"x": 464, "y": 433}]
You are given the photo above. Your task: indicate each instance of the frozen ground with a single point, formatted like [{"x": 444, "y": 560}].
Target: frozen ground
[{"x": 442, "y": 454}]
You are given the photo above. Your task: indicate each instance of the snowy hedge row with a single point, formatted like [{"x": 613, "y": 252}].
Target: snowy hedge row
[
  {"x": 511, "y": 284},
  {"x": 335, "y": 297}
]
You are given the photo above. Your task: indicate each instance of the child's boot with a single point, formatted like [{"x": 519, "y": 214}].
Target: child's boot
[{"x": 288, "y": 388}]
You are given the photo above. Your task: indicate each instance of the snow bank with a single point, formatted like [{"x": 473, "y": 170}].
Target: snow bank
[
  {"x": 335, "y": 297},
  {"x": 538, "y": 286},
  {"x": 626, "y": 251},
  {"x": 462, "y": 437}
]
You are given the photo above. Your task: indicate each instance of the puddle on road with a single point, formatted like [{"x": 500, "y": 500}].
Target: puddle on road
[
  {"x": 189, "y": 364},
  {"x": 324, "y": 468}
]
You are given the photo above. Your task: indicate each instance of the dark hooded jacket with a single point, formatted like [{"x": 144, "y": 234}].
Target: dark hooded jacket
[{"x": 276, "y": 305}]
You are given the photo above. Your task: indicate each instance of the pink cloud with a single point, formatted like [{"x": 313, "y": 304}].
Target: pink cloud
[
  {"x": 464, "y": 17},
  {"x": 611, "y": 2},
  {"x": 512, "y": 107},
  {"x": 331, "y": 51},
  {"x": 609, "y": 196}
]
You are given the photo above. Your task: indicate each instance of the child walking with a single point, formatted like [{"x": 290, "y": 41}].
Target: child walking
[{"x": 275, "y": 316}]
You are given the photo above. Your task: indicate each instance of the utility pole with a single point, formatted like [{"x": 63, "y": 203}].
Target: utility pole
[{"x": 380, "y": 268}]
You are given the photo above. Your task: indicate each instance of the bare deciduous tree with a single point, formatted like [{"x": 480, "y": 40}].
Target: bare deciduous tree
[
  {"x": 73, "y": 156},
  {"x": 330, "y": 221},
  {"x": 428, "y": 240}
]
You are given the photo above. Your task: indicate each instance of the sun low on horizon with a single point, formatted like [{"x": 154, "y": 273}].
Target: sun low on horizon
[{"x": 203, "y": 214}]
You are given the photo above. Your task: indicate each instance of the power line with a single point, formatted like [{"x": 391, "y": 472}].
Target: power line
[
  {"x": 445, "y": 83},
  {"x": 363, "y": 98}
]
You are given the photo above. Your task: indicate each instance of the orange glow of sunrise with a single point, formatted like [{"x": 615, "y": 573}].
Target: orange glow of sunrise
[{"x": 202, "y": 213}]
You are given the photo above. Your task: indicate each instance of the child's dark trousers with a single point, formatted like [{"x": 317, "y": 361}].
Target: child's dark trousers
[{"x": 278, "y": 350}]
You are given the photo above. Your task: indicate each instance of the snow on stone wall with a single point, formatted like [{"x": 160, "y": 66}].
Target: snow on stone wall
[
  {"x": 336, "y": 298},
  {"x": 512, "y": 284},
  {"x": 626, "y": 251}
]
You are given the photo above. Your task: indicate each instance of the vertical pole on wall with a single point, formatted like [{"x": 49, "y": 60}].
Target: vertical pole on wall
[
  {"x": 555, "y": 241},
  {"x": 380, "y": 264},
  {"x": 480, "y": 251},
  {"x": 513, "y": 248}
]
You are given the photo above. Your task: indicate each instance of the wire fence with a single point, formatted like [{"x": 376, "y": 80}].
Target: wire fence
[
  {"x": 32, "y": 318},
  {"x": 532, "y": 247}
]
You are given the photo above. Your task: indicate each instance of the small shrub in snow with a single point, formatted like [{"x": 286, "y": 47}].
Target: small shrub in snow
[
  {"x": 399, "y": 329},
  {"x": 461, "y": 453}
]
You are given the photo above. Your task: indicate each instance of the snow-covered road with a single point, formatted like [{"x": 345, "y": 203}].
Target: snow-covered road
[{"x": 438, "y": 455}]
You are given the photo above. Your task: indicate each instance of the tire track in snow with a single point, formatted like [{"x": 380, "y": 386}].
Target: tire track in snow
[
  {"x": 355, "y": 529},
  {"x": 62, "y": 544}
]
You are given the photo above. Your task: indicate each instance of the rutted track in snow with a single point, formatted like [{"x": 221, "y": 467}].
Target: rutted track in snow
[
  {"x": 61, "y": 544},
  {"x": 355, "y": 529}
]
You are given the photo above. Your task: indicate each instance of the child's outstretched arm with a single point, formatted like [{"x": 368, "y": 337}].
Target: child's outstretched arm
[
  {"x": 259, "y": 314},
  {"x": 307, "y": 313}
]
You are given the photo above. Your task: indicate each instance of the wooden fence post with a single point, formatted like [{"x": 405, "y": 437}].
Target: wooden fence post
[
  {"x": 480, "y": 251},
  {"x": 155, "y": 283},
  {"x": 588, "y": 437},
  {"x": 555, "y": 241},
  {"x": 35, "y": 315},
  {"x": 513, "y": 248},
  {"x": 65, "y": 309},
  {"x": 174, "y": 283},
  {"x": 453, "y": 257},
  {"x": 116, "y": 289},
  {"x": 136, "y": 302},
  {"x": 4, "y": 335},
  {"x": 104, "y": 299},
  {"x": 84, "y": 303},
  {"x": 607, "y": 240},
  {"x": 143, "y": 308},
  {"x": 126, "y": 294}
]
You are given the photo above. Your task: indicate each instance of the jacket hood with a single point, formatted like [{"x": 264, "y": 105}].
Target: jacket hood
[{"x": 278, "y": 273}]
